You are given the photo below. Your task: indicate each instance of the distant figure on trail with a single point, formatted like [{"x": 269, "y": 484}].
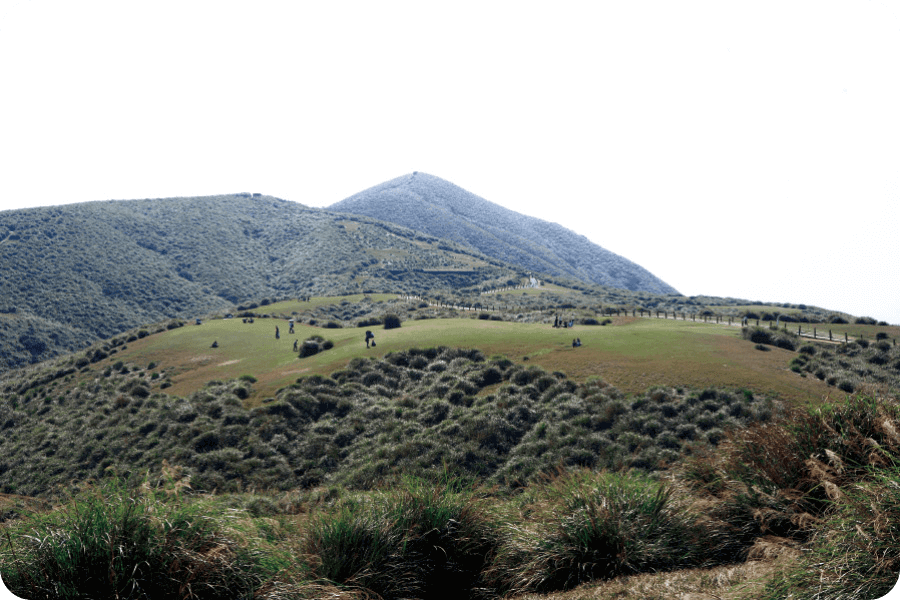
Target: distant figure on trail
[
  {"x": 744, "y": 321},
  {"x": 292, "y": 326},
  {"x": 369, "y": 337},
  {"x": 556, "y": 320},
  {"x": 295, "y": 345},
  {"x": 215, "y": 344},
  {"x": 571, "y": 323},
  {"x": 277, "y": 334}
]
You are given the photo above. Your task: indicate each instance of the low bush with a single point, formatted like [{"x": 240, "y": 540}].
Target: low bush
[
  {"x": 391, "y": 321},
  {"x": 114, "y": 543},
  {"x": 424, "y": 540},
  {"x": 770, "y": 337},
  {"x": 597, "y": 526}
]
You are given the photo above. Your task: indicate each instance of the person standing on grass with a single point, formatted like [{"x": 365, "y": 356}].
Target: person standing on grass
[{"x": 277, "y": 334}]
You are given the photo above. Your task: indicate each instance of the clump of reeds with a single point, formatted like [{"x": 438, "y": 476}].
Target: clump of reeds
[
  {"x": 584, "y": 526},
  {"x": 111, "y": 542},
  {"x": 419, "y": 540}
]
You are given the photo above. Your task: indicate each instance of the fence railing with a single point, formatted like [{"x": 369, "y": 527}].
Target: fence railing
[{"x": 812, "y": 331}]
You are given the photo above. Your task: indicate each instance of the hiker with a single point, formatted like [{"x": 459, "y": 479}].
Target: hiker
[
  {"x": 574, "y": 343},
  {"x": 295, "y": 345},
  {"x": 277, "y": 334},
  {"x": 555, "y": 321},
  {"x": 215, "y": 344},
  {"x": 371, "y": 337},
  {"x": 292, "y": 326},
  {"x": 578, "y": 341}
]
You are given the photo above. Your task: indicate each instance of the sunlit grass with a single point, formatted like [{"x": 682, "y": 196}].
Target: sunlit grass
[{"x": 632, "y": 354}]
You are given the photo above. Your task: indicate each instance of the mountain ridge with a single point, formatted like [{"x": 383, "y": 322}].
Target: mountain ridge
[
  {"x": 91, "y": 270},
  {"x": 422, "y": 202}
]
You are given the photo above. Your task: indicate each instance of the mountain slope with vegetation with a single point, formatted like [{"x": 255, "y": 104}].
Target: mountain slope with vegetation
[
  {"x": 73, "y": 274},
  {"x": 430, "y": 204},
  {"x": 490, "y": 474}
]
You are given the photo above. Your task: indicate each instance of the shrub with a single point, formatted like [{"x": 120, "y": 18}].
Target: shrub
[
  {"x": 308, "y": 348},
  {"x": 600, "y": 526},
  {"x": 424, "y": 541},
  {"x": 120, "y": 545},
  {"x": 391, "y": 321}
]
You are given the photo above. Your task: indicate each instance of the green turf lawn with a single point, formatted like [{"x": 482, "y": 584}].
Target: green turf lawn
[{"x": 631, "y": 354}]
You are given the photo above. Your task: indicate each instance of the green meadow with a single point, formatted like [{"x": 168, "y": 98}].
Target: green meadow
[{"x": 631, "y": 354}]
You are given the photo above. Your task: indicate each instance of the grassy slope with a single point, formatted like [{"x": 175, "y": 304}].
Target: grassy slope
[{"x": 631, "y": 354}]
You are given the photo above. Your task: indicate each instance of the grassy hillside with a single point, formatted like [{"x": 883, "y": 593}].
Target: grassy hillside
[
  {"x": 429, "y": 204},
  {"x": 631, "y": 354},
  {"x": 230, "y": 376},
  {"x": 256, "y": 471},
  {"x": 92, "y": 270}
]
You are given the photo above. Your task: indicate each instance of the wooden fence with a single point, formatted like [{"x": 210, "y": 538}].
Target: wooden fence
[{"x": 812, "y": 331}]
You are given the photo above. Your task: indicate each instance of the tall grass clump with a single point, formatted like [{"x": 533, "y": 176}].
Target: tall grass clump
[
  {"x": 420, "y": 540},
  {"x": 828, "y": 478},
  {"x": 109, "y": 543},
  {"x": 855, "y": 554},
  {"x": 587, "y": 526}
]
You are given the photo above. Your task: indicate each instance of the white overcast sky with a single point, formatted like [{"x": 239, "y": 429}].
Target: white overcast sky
[{"x": 745, "y": 149}]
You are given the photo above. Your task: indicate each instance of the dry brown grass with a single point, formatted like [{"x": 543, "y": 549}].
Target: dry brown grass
[{"x": 730, "y": 582}]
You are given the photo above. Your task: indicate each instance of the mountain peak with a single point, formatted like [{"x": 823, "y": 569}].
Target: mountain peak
[{"x": 440, "y": 208}]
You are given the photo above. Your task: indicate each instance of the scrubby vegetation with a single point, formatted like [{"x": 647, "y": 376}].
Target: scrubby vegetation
[
  {"x": 820, "y": 484},
  {"x": 851, "y": 366},
  {"x": 411, "y": 412}
]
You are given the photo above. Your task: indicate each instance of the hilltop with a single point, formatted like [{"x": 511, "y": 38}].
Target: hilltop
[
  {"x": 77, "y": 273},
  {"x": 432, "y": 205}
]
